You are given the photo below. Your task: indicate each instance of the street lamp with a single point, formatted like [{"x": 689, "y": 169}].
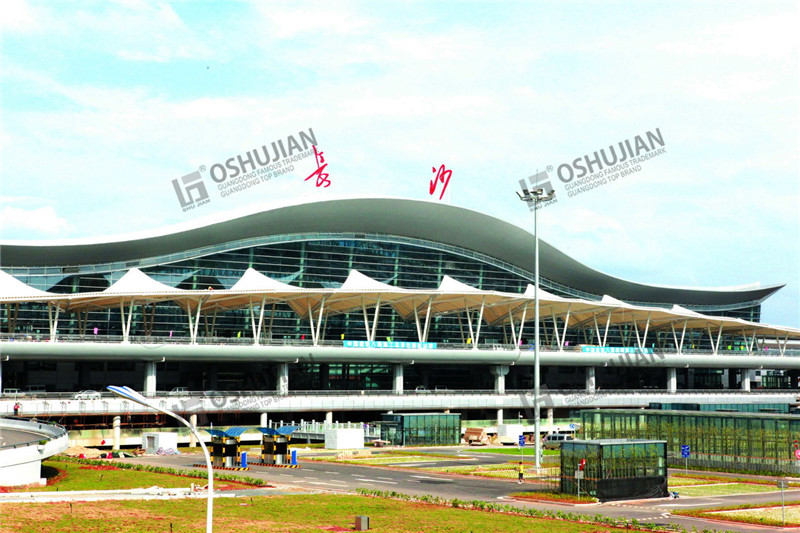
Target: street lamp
[
  {"x": 130, "y": 394},
  {"x": 533, "y": 198}
]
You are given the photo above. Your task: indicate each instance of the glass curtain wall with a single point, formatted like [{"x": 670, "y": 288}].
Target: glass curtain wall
[
  {"x": 322, "y": 263},
  {"x": 720, "y": 440}
]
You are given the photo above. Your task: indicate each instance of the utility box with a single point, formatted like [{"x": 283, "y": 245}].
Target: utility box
[
  {"x": 362, "y": 523},
  {"x": 510, "y": 430},
  {"x": 151, "y": 442}
]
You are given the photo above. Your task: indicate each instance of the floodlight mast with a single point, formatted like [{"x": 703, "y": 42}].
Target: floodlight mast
[
  {"x": 534, "y": 197},
  {"x": 130, "y": 394}
]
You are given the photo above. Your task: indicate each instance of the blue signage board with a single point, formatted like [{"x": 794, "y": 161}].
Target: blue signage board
[
  {"x": 391, "y": 344},
  {"x": 522, "y": 440},
  {"x": 685, "y": 451},
  {"x": 614, "y": 349}
]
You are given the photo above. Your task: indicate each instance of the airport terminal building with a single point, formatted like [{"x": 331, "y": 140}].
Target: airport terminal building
[{"x": 366, "y": 295}]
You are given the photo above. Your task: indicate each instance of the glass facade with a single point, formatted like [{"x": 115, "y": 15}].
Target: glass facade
[
  {"x": 423, "y": 429},
  {"x": 321, "y": 262},
  {"x": 614, "y": 469},
  {"x": 717, "y": 440},
  {"x": 725, "y": 407}
]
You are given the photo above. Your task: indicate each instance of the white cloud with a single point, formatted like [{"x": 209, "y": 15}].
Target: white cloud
[
  {"x": 287, "y": 21},
  {"x": 494, "y": 100},
  {"x": 40, "y": 220},
  {"x": 765, "y": 37},
  {"x": 18, "y": 16}
]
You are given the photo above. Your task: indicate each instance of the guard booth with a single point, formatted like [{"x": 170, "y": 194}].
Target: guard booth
[
  {"x": 225, "y": 448},
  {"x": 275, "y": 446},
  {"x": 614, "y": 469}
]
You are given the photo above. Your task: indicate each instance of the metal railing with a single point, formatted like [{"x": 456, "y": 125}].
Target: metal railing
[
  {"x": 266, "y": 341},
  {"x": 412, "y": 393}
]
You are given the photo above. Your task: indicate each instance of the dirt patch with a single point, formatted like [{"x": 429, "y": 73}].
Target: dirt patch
[
  {"x": 15, "y": 516},
  {"x": 84, "y": 452},
  {"x": 229, "y": 487}
]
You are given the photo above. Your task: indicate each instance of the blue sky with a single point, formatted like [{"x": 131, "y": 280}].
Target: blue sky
[{"x": 104, "y": 104}]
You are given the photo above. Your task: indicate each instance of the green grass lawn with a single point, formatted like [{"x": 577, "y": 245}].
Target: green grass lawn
[
  {"x": 723, "y": 489},
  {"x": 300, "y": 514},
  {"x": 674, "y": 481},
  {"x": 79, "y": 477},
  {"x": 772, "y": 515},
  {"x": 528, "y": 450},
  {"x": 761, "y": 514}
]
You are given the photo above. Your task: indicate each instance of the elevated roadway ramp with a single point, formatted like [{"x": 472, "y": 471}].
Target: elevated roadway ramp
[{"x": 23, "y": 446}]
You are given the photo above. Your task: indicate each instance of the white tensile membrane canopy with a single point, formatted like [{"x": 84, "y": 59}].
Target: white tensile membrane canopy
[
  {"x": 360, "y": 292},
  {"x": 12, "y": 289}
]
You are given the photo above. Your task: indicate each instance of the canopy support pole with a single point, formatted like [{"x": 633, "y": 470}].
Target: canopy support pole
[
  {"x": 316, "y": 337},
  {"x": 461, "y": 328},
  {"x": 366, "y": 319},
  {"x": 566, "y": 325},
  {"x": 478, "y": 325},
  {"x": 260, "y": 321},
  {"x": 375, "y": 318},
  {"x": 271, "y": 320},
  {"x": 555, "y": 330},
  {"x": 53, "y": 321},
  {"x": 522, "y": 323},
  {"x": 641, "y": 341}
]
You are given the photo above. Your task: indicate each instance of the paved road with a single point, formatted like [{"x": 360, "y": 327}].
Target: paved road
[
  {"x": 319, "y": 476},
  {"x": 11, "y": 437}
]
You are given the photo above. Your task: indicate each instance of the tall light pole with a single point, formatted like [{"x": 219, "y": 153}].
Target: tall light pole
[
  {"x": 130, "y": 394},
  {"x": 533, "y": 198}
]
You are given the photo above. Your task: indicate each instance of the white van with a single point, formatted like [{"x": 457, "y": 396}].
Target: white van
[
  {"x": 553, "y": 442},
  {"x": 33, "y": 390}
]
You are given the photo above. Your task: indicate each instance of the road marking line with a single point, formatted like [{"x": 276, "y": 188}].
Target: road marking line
[{"x": 376, "y": 481}]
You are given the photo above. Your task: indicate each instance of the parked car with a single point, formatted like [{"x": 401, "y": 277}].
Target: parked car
[
  {"x": 14, "y": 393},
  {"x": 553, "y": 442},
  {"x": 178, "y": 391},
  {"x": 86, "y": 395},
  {"x": 422, "y": 389},
  {"x": 33, "y": 390}
]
